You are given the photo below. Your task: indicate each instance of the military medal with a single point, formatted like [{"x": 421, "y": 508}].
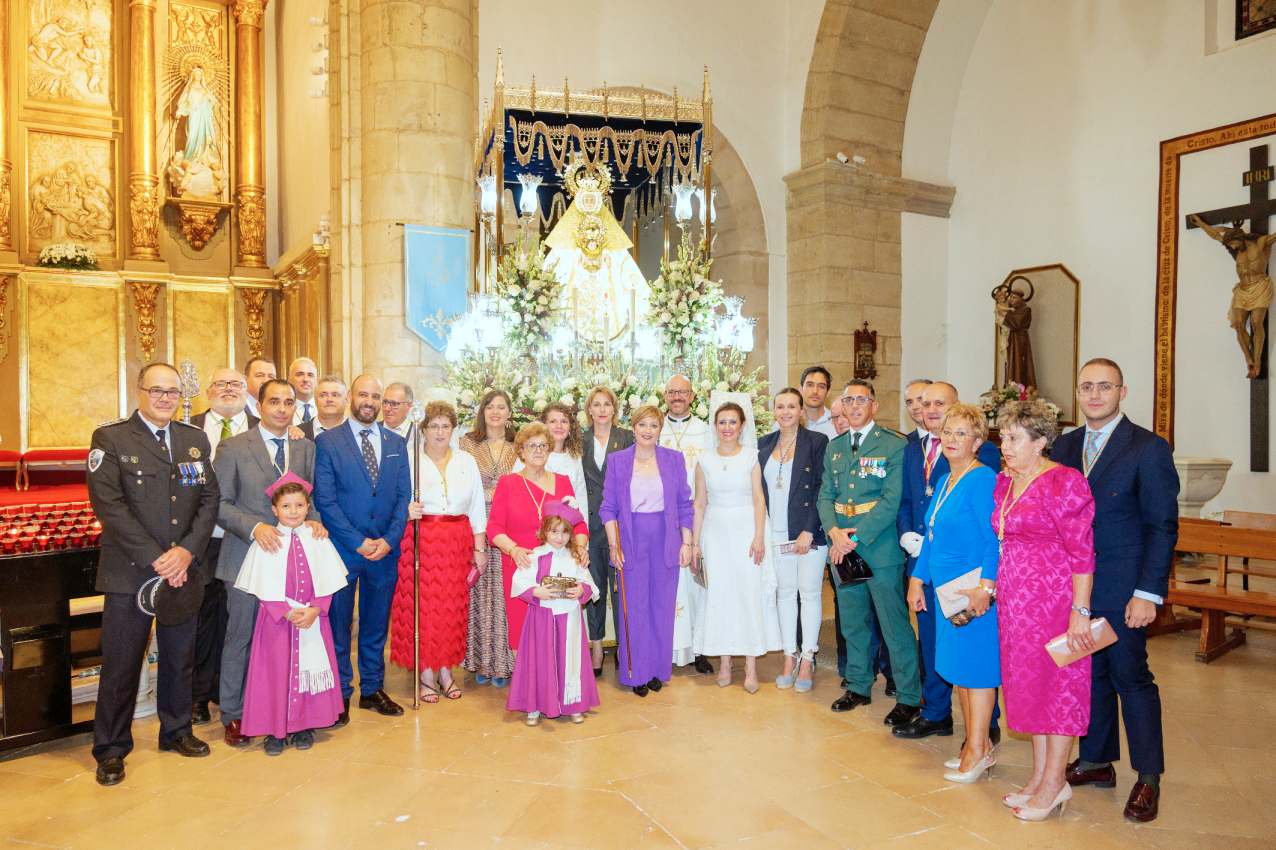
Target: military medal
[{"x": 194, "y": 453}]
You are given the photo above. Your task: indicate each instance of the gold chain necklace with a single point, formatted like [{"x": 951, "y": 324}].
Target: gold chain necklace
[
  {"x": 784, "y": 456},
  {"x": 1008, "y": 503}
]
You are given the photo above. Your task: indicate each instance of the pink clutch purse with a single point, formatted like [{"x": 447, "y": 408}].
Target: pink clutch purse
[
  {"x": 1100, "y": 632},
  {"x": 473, "y": 577}
]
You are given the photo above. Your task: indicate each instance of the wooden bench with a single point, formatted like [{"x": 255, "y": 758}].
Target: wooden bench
[{"x": 1216, "y": 601}]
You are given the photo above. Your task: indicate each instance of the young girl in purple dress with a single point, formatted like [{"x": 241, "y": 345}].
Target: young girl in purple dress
[{"x": 553, "y": 674}]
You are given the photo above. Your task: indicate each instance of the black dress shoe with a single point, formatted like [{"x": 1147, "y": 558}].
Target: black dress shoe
[
  {"x": 902, "y": 715},
  {"x": 302, "y": 740},
  {"x": 850, "y": 700},
  {"x": 702, "y": 665},
  {"x": 344, "y": 717},
  {"x": 920, "y": 727},
  {"x": 1100, "y": 777},
  {"x": 274, "y": 746},
  {"x": 199, "y": 712},
  {"x": 185, "y": 745},
  {"x": 655, "y": 684},
  {"x": 598, "y": 672},
  {"x": 1144, "y": 803},
  {"x": 640, "y": 690},
  {"x": 381, "y": 703},
  {"x": 890, "y": 687},
  {"x": 110, "y": 771}
]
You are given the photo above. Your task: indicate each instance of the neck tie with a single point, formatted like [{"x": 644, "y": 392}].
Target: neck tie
[
  {"x": 160, "y": 435},
  {"x": 306, "y": 414},
  {"x": 1091, "y": 448},
  {"x": 855, "y": 442},
  {"x": 369, "y": 455},
  {"x": 932, "y": 450},
  {"x": 225, "y": 430},
  {"x": 280, "y": 463}
]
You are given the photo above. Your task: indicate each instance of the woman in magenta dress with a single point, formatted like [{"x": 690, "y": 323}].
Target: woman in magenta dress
[
  {"x": 1043, "y": 515},
  {"x": 517, "y": 510}
]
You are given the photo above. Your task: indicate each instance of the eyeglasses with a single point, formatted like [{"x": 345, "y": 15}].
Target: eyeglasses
[
  {"x": 439, "y": 426},
  {"x": 157, "y": 393},
  {"x": 393, "y": 405},
  {"x": 678, "y": 393},
  {"x": 1104, "y": 387},
  {"x": 948, "y": 434},
  {"x": 229, "y": 385},
  {"x": 536, "y": 447},
  {"x": 856, "y": 400}
]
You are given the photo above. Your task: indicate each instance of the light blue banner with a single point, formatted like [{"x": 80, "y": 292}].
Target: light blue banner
[{"x": 436, "y": 276}]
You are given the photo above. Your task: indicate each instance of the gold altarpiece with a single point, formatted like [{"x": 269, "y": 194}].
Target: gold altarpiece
[{"x": 134, "y": 128}]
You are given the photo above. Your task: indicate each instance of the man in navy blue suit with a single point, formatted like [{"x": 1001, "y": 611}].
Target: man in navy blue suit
[
  {"x": 362, "y": 488},
  {"x": 1135, "y": 486},
  {"x": 924, "y": 465}
]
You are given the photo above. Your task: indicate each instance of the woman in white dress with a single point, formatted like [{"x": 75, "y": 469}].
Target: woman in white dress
[
  {"x": 740, "y": 616},
  {"x": 565, "y": 451}
]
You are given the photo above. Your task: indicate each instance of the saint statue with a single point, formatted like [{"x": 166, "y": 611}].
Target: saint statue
[
  {"x": 197, "y": 86},
  {"x": 604, "y": 292},
  {"x": 1014, "y": 319},
  {"x": 197, "y": 104},
  {"x": 1252, "y": 294}
]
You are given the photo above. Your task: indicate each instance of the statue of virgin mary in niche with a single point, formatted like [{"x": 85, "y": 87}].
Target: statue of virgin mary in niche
[
  {"x": 197, "y": 105},
  {"x": 196, "y": 169}
]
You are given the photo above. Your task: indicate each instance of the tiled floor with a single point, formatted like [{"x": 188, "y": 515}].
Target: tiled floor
[{"x": 694, "y": 766}]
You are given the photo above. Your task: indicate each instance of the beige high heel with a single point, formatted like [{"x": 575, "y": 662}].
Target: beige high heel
[
  {"x": 982, "y": 769},
  {"x": 1012, "y": 801},
  {"x": 1060, "y": 802}
]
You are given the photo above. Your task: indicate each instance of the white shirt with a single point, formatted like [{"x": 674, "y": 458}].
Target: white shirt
[
  {"x": 213, "y": 430},
  {"x": 299, "y": 412},
  {"x": 319, "y": 427},
  {"x": 375, "y": 437},
  {"x": 464, "y": 491},
  {"x": 251, "y": 405},
  {"x": 269, "y": 438},
  {"x": 823, "y": 425},
  {"x": 404, "y": 430},
  {"x": 863, "y": 432},
  {"x": 779, "y": 480}
]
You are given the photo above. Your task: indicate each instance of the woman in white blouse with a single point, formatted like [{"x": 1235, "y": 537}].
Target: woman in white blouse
[
  {"x": 564, "y": 452},
  {"x": 451, "y": 541}
]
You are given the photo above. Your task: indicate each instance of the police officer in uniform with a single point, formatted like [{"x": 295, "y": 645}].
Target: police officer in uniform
[
  {"x": 859, "y": 501},
  {"x": 154, "y": 491}
]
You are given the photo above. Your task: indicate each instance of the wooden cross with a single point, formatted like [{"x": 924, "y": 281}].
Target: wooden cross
[{"x": 1257, "y": 212}]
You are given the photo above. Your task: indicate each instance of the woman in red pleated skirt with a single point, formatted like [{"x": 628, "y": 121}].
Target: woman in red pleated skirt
[{"x": 449, "y": 520}]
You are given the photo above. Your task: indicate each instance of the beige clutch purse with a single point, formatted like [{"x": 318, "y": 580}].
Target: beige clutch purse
[{"x": 1100, "y": 631}]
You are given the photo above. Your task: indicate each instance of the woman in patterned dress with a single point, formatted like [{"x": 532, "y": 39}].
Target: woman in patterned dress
[
  {"x": 1042, "y": 515},
  {"x": 487, "y": 650}
]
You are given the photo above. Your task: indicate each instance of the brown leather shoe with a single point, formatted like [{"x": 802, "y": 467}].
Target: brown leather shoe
[
  {"x": 1101, "y": 777},
  {"x": 1143, "y": 804},
  {"x": 233, "y": 736}
]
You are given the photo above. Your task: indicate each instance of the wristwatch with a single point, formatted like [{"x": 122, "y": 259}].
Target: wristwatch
[{"x": 1082, "y": 610}]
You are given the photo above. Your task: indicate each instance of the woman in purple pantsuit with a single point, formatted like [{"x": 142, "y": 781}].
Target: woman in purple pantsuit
[
  {"x": 648, "y": 516},
  {"x": 292, "y": 687}
]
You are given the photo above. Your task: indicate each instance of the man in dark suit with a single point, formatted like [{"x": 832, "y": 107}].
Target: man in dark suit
[
  {"x": 913, "y": 404},
  {"x": 246, "y": 465},
  {"x": 924, "y": 465},
  {"x": 330, "y": 400},
  {"x": 224, "y": 418},
  {"x": 1135, "y": 486},
  {"x": 594, "y": 464},
  {"x": 155, "y": 493},
  {"x": 257, "y": 371},
  {"x": 362, "y": 488}
]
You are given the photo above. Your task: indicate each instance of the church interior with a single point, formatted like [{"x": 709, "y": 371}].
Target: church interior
[{"x": 881, "y": 187}]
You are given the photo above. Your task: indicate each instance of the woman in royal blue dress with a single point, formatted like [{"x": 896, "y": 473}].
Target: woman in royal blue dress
[{"x": 959, "y": 539}]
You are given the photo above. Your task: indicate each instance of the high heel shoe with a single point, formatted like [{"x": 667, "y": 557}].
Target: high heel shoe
[
  {"x": 1012, "y": 801},
  {"x": 751, "y": 686},
  {"x": 784, "y": 682},
  {"x": 1060, "y": 802},
  {"x": 982, "y": 769}
]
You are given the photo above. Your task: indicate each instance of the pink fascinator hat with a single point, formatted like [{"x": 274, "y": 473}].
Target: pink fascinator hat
[
  {"x": 564, "y": 509},
  {"x": 288, "y": 477}
]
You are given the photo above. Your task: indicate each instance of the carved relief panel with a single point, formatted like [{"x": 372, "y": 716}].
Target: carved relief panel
[
  {"x": 69, "y": 52},
  {"x": 71, "y": 193}
]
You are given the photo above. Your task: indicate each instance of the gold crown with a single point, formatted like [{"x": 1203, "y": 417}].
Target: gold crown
[{"x": 595, "y": 177}]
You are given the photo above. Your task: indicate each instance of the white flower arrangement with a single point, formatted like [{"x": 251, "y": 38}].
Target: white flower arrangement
[
  {"x": 67, "y": 255},
  {"x": 531, "y": 291},
  {"x": 683, "y": 298}
]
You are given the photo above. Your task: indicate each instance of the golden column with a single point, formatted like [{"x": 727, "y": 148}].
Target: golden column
[
  {"x": 250, "y": 183},
  {"x": 419, "y": 97},
  {"x": 6, "y": 167},
  {"x": 143, "y": 178}
]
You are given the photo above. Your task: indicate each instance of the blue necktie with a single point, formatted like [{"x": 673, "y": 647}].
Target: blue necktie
[
  {"x": 369, "y": 455},
  {"x": 306, "y": 414},
  {"x": 280, "y": 463},
  {"x": 159, "y": 435}
]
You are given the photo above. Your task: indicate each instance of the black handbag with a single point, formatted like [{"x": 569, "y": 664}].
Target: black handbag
[{"x": 852, "y": 569}]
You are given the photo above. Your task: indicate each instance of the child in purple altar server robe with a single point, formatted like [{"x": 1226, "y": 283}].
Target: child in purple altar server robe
[
  {"x": 292, "y": 686},
  {"x": 553, "y": 674}
]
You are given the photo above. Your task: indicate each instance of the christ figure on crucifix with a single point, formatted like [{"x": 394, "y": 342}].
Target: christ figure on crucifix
[{"x": 1252, "y": 294}]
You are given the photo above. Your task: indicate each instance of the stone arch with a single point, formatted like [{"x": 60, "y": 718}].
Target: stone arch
[{"x": 844, "y": 219}]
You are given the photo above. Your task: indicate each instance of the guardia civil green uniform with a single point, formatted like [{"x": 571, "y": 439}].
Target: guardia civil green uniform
[{"x": 861, "y": 489}]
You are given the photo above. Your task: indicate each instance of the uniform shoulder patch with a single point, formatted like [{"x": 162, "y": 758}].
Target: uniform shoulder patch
[
  {"x": 112, "y": 422},
  {"x": 95, "y": 459},
  {"x": 893, "y": 432}
]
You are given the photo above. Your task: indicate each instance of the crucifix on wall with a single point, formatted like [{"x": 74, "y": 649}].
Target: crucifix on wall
[{"x": 1252, "y": 294}]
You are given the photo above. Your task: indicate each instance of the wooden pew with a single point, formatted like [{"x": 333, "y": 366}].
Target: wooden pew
[{"x": 1216, "y": 601}]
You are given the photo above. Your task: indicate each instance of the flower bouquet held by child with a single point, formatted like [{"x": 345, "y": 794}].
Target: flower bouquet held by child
[
  {"x": 553, "y": 655},
  {"x": 292, "y": 686}
]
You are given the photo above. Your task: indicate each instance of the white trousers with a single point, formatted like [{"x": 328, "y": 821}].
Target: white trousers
[{"x": 801, "y": 575}]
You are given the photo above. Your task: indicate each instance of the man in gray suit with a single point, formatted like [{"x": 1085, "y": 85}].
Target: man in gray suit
[{"x": 246, "y": 465}]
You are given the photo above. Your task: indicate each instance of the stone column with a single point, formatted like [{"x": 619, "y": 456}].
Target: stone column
[
  {"x": 418, "y": 98},
  {"x": 143, "y": 179},
  {"x": 844, "y": 268},
  {"x": 6, "y": 167},
  {"x": 250, "y": 180}
]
